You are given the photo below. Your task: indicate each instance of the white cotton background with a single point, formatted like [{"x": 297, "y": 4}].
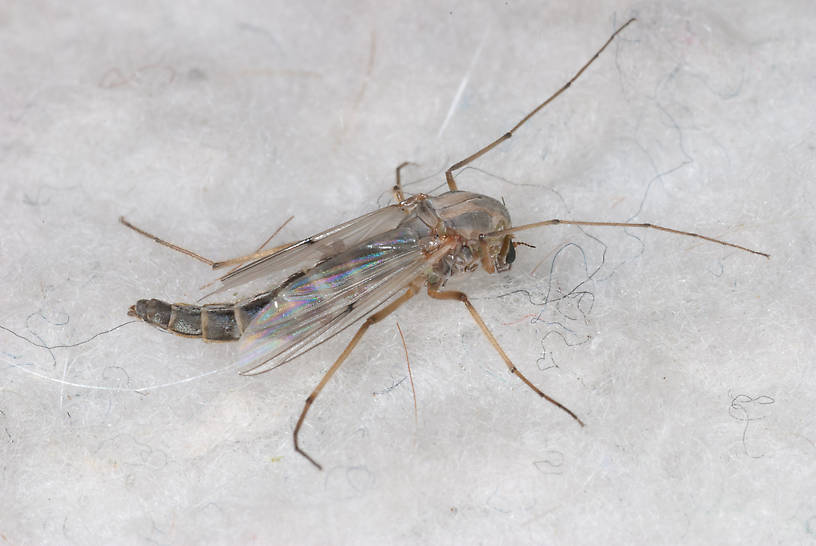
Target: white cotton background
[{"x": 210, "y": 123}]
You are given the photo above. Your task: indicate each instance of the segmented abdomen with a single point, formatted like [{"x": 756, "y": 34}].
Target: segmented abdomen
[{"x": 211, "y": 322}]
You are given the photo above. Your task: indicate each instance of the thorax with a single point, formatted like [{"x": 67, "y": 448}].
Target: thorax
[{"x": 457, "y": 219}]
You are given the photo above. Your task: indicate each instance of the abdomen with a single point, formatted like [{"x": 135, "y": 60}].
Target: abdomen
[{"x": 211, "y": 322}]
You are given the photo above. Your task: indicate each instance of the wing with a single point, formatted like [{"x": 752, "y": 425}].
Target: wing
[
  {"x": 309, "y": 251},
  {"x": 332, "y": 296}
]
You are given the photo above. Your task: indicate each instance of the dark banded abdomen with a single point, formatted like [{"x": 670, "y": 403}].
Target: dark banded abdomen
[{"x": 211, "y": 322}]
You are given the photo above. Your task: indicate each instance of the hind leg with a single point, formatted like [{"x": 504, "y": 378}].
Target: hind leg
[
  {"x": 168, "y": 244},
  {"x": 212, "y": 263}
]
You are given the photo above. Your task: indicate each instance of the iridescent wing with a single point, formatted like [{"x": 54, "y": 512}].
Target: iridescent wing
[
  {"x": 331, "y": 296},
  {"x": 307, "y": 252}
]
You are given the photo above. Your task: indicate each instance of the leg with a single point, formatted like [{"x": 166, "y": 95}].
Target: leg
[
  {"x": 508, "y": 134},
  {"x": 280, "y": 227},
  {"x": 249, "y": 257},
  {"x": 372, "y": 319},
  {"x": 259, "y": 253},
  {"x": 177, "y": 248},
  {"x": 211, "y": 263},
  {"x": 398, "y": 195},
  {"x": 461, "y": 296},
  {"x": 554, "y": 222}
]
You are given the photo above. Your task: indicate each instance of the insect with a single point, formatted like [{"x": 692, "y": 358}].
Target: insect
[{"x": 365, "y": 269}]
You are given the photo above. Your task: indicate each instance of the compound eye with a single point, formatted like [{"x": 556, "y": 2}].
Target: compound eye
[{"x": 511, "y": 254}]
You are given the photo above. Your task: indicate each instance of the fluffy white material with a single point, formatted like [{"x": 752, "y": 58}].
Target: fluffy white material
[{"x": 211, "y": 123}]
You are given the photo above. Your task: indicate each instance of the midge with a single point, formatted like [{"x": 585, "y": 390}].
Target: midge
[{"x": 367, "y": 267}]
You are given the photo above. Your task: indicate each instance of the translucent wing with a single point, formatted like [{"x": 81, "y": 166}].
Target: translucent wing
[
  {"x": 331, "y": 296},
  {"x": 326, "y": 244}
]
